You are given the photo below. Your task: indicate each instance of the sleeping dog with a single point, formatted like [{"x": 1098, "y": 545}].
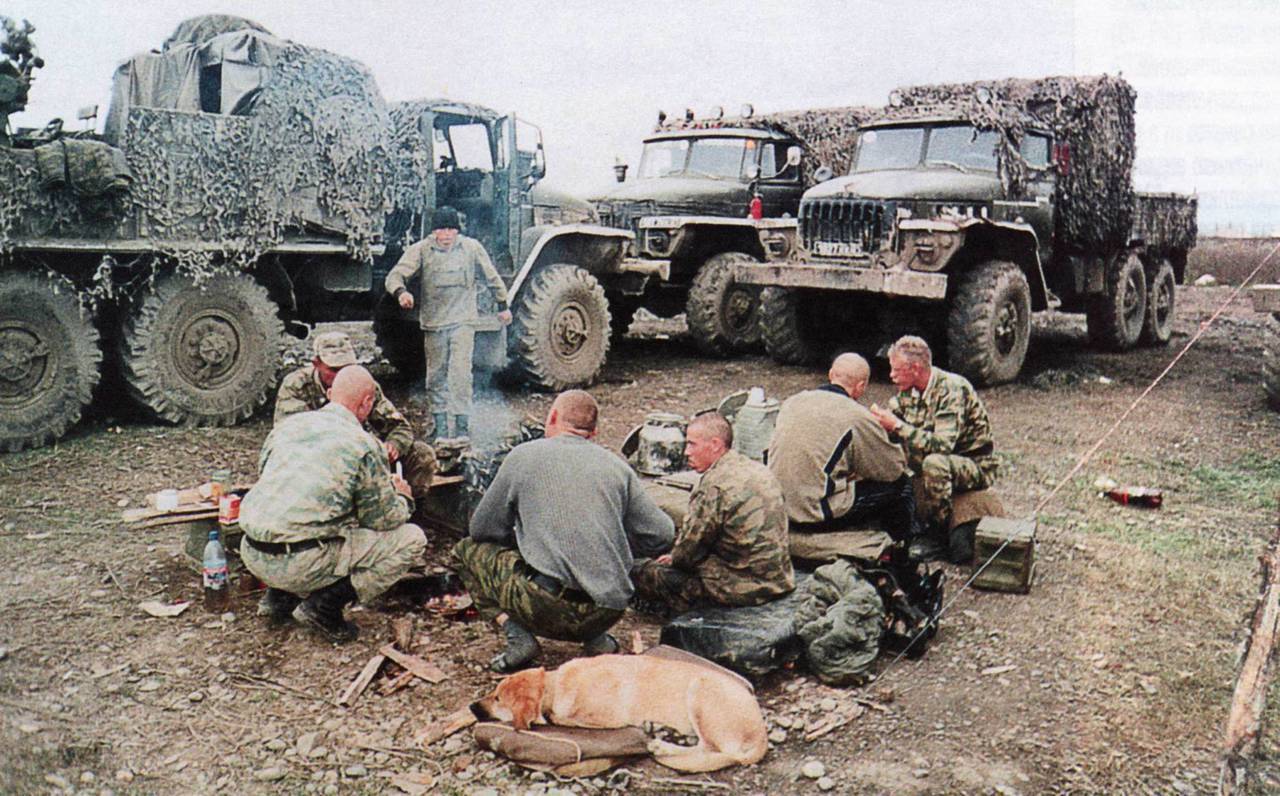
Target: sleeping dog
[{"x": 611, "y": 691}]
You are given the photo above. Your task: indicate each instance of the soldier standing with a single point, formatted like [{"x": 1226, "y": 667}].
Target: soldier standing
[
  {"x": 327, "y": 518},
  {"x": 732, "y": 546},
  {"x": 307, "y": 389},
  {"x": 944, "y": 428},
  {"x": 447, "y": 312}
]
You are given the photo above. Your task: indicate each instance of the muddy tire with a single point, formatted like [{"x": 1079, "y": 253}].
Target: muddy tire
[
  {"x": 50, "y": 359},
  {"x": 787, "y": 337},
  {"x": 560, "y": 333},
  {"x": 723, "y": 316},
  {"x": 989, "y": 323},
  {"x": 1162, "y": 287},
  {"x": 207, "y": 355},
  {"x": 399, "y": 339},
  {"x": 1271, "y": 362},
  {"x": 1116, "y": 317}
]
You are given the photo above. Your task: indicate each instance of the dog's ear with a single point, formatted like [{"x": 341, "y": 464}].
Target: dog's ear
[{"x": 522, "y": 693}]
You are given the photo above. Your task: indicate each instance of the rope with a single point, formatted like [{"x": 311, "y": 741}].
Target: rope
[{"x": 1084, "y": 458}]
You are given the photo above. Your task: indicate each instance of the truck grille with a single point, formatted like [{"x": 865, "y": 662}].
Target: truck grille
[
  {"x": 627, "y": 215},
  {"x": 838, "y": 227}
]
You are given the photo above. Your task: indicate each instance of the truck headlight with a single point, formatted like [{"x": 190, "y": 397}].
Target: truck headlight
[{"x": 657, "y": 241}]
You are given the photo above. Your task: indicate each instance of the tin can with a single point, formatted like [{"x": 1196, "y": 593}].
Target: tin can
[
  {"x": 229, "y": 509},
  {"x": 219, "y": 483}
]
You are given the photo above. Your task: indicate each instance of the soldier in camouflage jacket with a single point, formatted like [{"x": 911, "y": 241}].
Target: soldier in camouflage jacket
[{"x": 732, "y": 546}]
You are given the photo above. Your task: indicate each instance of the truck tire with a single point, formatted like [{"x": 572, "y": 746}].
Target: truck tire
[
  {"x": 1162, "y": 286},
  {"x": 788, "y": 338},
  {"x": 400, "y": 340},
  {"x": 989, "y": 323},
  {"x": 1115, "y": 317},
  {"x": 202, "y": 355},
  {"x": 723, "y": 316},
  {"x": 622, "y": 311},
  {"x": 1271, "y": 362},
  {"x": 561, "y": 329},
  {"x": 49, "y": 359}
]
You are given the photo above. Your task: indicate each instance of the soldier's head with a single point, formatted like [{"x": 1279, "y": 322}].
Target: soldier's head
[
  {"x": 851, "y": 373},
  {"x": 910, "y": 363},
  {"x": 355, "y": 389},
  {"x": 445, "y": 224},
  {"x": 573, "y": 412},
  {"x": 332, "y": 351},
  {"x": 708, "y": 437}
]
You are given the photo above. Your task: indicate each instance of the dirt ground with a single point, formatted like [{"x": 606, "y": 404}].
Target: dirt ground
[{"x": 1112, "y": 676}]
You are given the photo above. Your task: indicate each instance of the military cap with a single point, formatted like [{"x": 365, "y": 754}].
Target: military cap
[
  {"x": 334, "y": 349},
  {"x": 445, "y": 218}
]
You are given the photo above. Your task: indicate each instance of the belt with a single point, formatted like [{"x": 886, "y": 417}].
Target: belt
[
  {"x": 550, "y": 584},
  {"x": 978, "y": 453},
  {"x": 284, "y": 548}
]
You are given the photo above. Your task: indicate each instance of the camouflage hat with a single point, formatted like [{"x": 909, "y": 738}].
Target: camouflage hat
[
  {"x": 445, "y": 218},
  {"x": 334, "y": 349}
]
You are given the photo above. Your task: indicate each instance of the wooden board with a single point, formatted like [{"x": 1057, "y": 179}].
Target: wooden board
[
  {"x": 430, "y": 673},
  {"x": 362, "y": 680}
]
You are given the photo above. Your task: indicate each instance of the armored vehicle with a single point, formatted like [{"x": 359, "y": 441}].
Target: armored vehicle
[
  {"x": 711, "y": 193},
  {"x": 242, "y": 187},
  {"x": 966, "y": 208}
]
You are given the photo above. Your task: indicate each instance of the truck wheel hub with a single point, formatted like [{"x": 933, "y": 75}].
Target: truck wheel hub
[
  {"x": 740, "y": 309},
  {"x": 208, "y": 348},
  {"x": 1007, "y": 328},
  {"x": 569, "y": 330},
  {"x": 24, "y": 361}
]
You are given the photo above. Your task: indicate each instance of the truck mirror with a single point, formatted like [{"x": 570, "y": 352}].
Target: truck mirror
[
  {"x": 793, "y": 155},
  {"x": 823, "y": 173},
  {"x": 753, "y": 171},
  {"x": 539, "y": 169},
  {"x": 620, "y": 171},
  {"x": 87, "y": 112}
]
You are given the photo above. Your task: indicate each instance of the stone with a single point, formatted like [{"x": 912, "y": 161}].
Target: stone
[
  {"x": 826, "y": 783},
  {"x": 318, "y": 752},
  {"x": 783, "y": 721},
  {"x": 778, "y": 736},
  {"x": 305, "y": 743},
  {"x": 196, "y": 696},
  {"x": 124, "y": 775},
  {"x": 57, "y": 781},
  {"x": 330, "y": 790},
  {"x": 270, "y": 774},
  {"x": 813, "y": 769},
  {"x": 277, "y": 745},
  {"x": 356, "y": 771},
  {"x": 1206, "y": 280},
  {"x": 827, "y": 705},
  {"x": 88, "y": 778}
]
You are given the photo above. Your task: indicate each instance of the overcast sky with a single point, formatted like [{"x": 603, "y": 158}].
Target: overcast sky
[{"x": 592, "y": 75}]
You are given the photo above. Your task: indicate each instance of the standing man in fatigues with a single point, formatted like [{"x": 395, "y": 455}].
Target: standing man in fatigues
[
  {"x": 447, "y": 311},
  {"x": 327, "y": 518},
  {"x": 307, "y": 389},
  {"x": 943, "y": 426},
  {"x": 732, "y": 546}
]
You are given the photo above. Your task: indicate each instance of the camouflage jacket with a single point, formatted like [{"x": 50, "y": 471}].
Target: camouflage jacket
[
  {"x": 301, "y": 391},
  {"x": 734, "y": 537},
  {"x": 948, "y": 417},
  {"x": 320, "y": 472},
  {"x": 448, "y": 293}
]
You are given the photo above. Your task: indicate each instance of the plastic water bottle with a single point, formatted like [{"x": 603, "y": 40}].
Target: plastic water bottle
[{"x": 215, "y": 575}]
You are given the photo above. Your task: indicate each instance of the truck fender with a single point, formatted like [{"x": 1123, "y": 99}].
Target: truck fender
[
  {"x": 597, "y": 249},
  {"x": 983, "y": 239}
]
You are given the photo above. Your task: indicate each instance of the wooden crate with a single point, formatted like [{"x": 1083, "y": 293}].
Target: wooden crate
[{"x": 1014, "y": 567}]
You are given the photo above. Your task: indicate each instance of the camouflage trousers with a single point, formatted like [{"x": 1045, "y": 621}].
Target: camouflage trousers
[
  {"x": 499, "y": 581},
  {"x": 374, "y": 560},
  {"x": 663, "y": 583},
  {"x": 449, "y": 352},
  {"x": 942, "y": 476},
  {"x": 419, "y": 464}
]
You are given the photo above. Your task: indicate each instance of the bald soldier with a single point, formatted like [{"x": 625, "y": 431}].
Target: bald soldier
[
  {"x": 836, "y": 465},
  {"x": 327, "y": 518},
  {"x": 307, "y": 389},
  {"x": 732, "y": 546},
  {"x": 553, "y": 540}
]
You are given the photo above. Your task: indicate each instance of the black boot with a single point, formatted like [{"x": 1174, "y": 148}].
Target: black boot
[
  {"x": 323, "y": 611},
  {"x": 278, "y": 604},
  {"x": 461, "y": 428},
  {"x": 522, "y": 648},
  {"x": 603, "y": 644}
]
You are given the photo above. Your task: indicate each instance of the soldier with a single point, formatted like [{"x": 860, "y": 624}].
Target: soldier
[
  {"x": 555, "y": 537},
  {"x": 837, "y": 467},
  {"x": 306, "y": 390},
  {"x": 450, "y": 265},
  {"x": 327, "y": 517},
  {"x": 943, "y": 426},
  {"x": 732, "y": 546}
]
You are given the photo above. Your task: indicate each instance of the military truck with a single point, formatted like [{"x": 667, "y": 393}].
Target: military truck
[
  {"x": 711, "y": 193},
  {"x": 242, "y": 187},
  {"x": 1266, "y": 299},
  {"x": 966, "y": 208}
]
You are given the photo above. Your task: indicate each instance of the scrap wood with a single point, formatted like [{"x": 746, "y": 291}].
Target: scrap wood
[
  {"x": 358, "y": 685},
  {"x": 396, "y": 683},
  {"x": 830, "y": 725},
  {"x": 700, "y": 784},
  {"x": 402, "y": 631},
  {"x": 1248, "y": 702},
  {"x": 267, "y": 684},
  {"x": 439, "y": 730},
  {"x": 429, "y": 672}
]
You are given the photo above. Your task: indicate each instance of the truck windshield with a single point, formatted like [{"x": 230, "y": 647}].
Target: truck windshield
[
  {"x": 960, "y": 147},
  {"x": 726, "y": 158}
]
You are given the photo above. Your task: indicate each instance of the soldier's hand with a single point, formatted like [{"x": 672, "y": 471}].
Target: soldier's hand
[
  {"x": 505, "y": 317},
  {"x": 406, "y": 300},
  {"x": 392, "y": 453},
  {"x": 887, "y": 420},
  {"x": 401, "y": 486},
  {"x": 664, "y": 559}
]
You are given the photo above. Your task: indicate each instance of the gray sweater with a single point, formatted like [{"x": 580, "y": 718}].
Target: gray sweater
[{"x": 576, "y": 512}]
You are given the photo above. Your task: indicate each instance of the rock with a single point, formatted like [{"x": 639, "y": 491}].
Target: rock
[
  {"x": 778, "y": 736},
  {"x": 1206, "y": 280},
  {"x": 813, "y": 769},
  {"x": 270, "y": 774},
  {"x": 28, "y": 728},
  {"x": 330, "y": 790},
  {"x": 452, "y": 745},
  {"x": 537, "y": 776},
  {"x": 277, "y": 745},
  {"x": 355, "y": 772},
  {"x": 1005, "y": 790},
  {"x": 318, "y": 752},
  {"x": 4, "y": 653},
  {"x": 783, "y": 721},
  {"x": 333, "y": 724},
  {"x": 88, "y": 777},
  {"x": 331, "y": 776},
  {"x": 920, "y": 773},
  {"x": 827, "y": 705},
  {"x": 305, "y": 743},
  {"x": 57, "y": 781},
  {"x": 826, "y": 783},
  {"x": 196, "y": 696},
  {"x": 149, "y": 685},
  {"x": 485, "y": 792},
  {"x": 124, "y": 775}
]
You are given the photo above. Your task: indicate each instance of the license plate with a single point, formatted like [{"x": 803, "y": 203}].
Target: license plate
[{"x": 829, "y": 248}]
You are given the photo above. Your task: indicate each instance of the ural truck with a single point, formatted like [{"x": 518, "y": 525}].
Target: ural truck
[
  {"x": 709, "y": 194},
  {"x": 242, "y": 187},
  {"x": 966, "y": 208}
]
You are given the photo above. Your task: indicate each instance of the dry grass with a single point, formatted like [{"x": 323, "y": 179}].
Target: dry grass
[{"x": 1230, "y": 260}]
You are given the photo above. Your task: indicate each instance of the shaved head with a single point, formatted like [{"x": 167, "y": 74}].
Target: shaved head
[
  {"x": 851, "y": 372},
  {"x": 354, "y": 388},
  {"x": 707, "y": 439},
  {"x": 714, "y": 425},
  {"x": 574, "y": 411}
]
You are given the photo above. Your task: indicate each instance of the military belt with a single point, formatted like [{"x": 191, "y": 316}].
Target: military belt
[
  {"x": 550, "y": 584},
  {"x": 285, "y": 548}
]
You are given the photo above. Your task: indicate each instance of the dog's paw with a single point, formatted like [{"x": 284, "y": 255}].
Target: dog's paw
[{"x": 660, "y": 748}]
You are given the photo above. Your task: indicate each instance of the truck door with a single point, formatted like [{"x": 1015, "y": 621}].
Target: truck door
[
  {"x": 510, "y": 192},
  {"x": 779, "y": 184},
  {"x": 1037, "y": 150}
]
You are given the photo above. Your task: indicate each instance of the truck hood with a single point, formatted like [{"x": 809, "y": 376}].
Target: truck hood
[
  {"x": 680, "y": 191},
  {"x": 543, "y": 195},
  {"x": 942, "y": 184}
]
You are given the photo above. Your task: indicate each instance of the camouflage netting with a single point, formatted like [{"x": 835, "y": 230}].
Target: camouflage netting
[
  {"x": 1094, "y": 116},
  {"x": 199, "y": 30},
  {"x": 1166, "y": 221}
]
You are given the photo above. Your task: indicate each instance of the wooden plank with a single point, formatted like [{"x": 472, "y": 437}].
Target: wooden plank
[
  {"x": 362, "y": 680},
  {"x": 177, "y": 519},
  {"x": 430, "y": 673},
  {"x": 439, "y": 730},
  {"x": 182, "y": 512},
  {"x": 396, "y": 683}
]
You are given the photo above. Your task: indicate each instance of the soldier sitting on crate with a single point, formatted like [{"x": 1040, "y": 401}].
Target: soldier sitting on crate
[
  {"x": 327, "y": 518},
  {"x": 307, "y": 389},
  {"x": 944, "y": 429},
  {"x": 837, "y": 467},
  {"x": 555, "y": 536},
  {"x": 732, "y": 546}
]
